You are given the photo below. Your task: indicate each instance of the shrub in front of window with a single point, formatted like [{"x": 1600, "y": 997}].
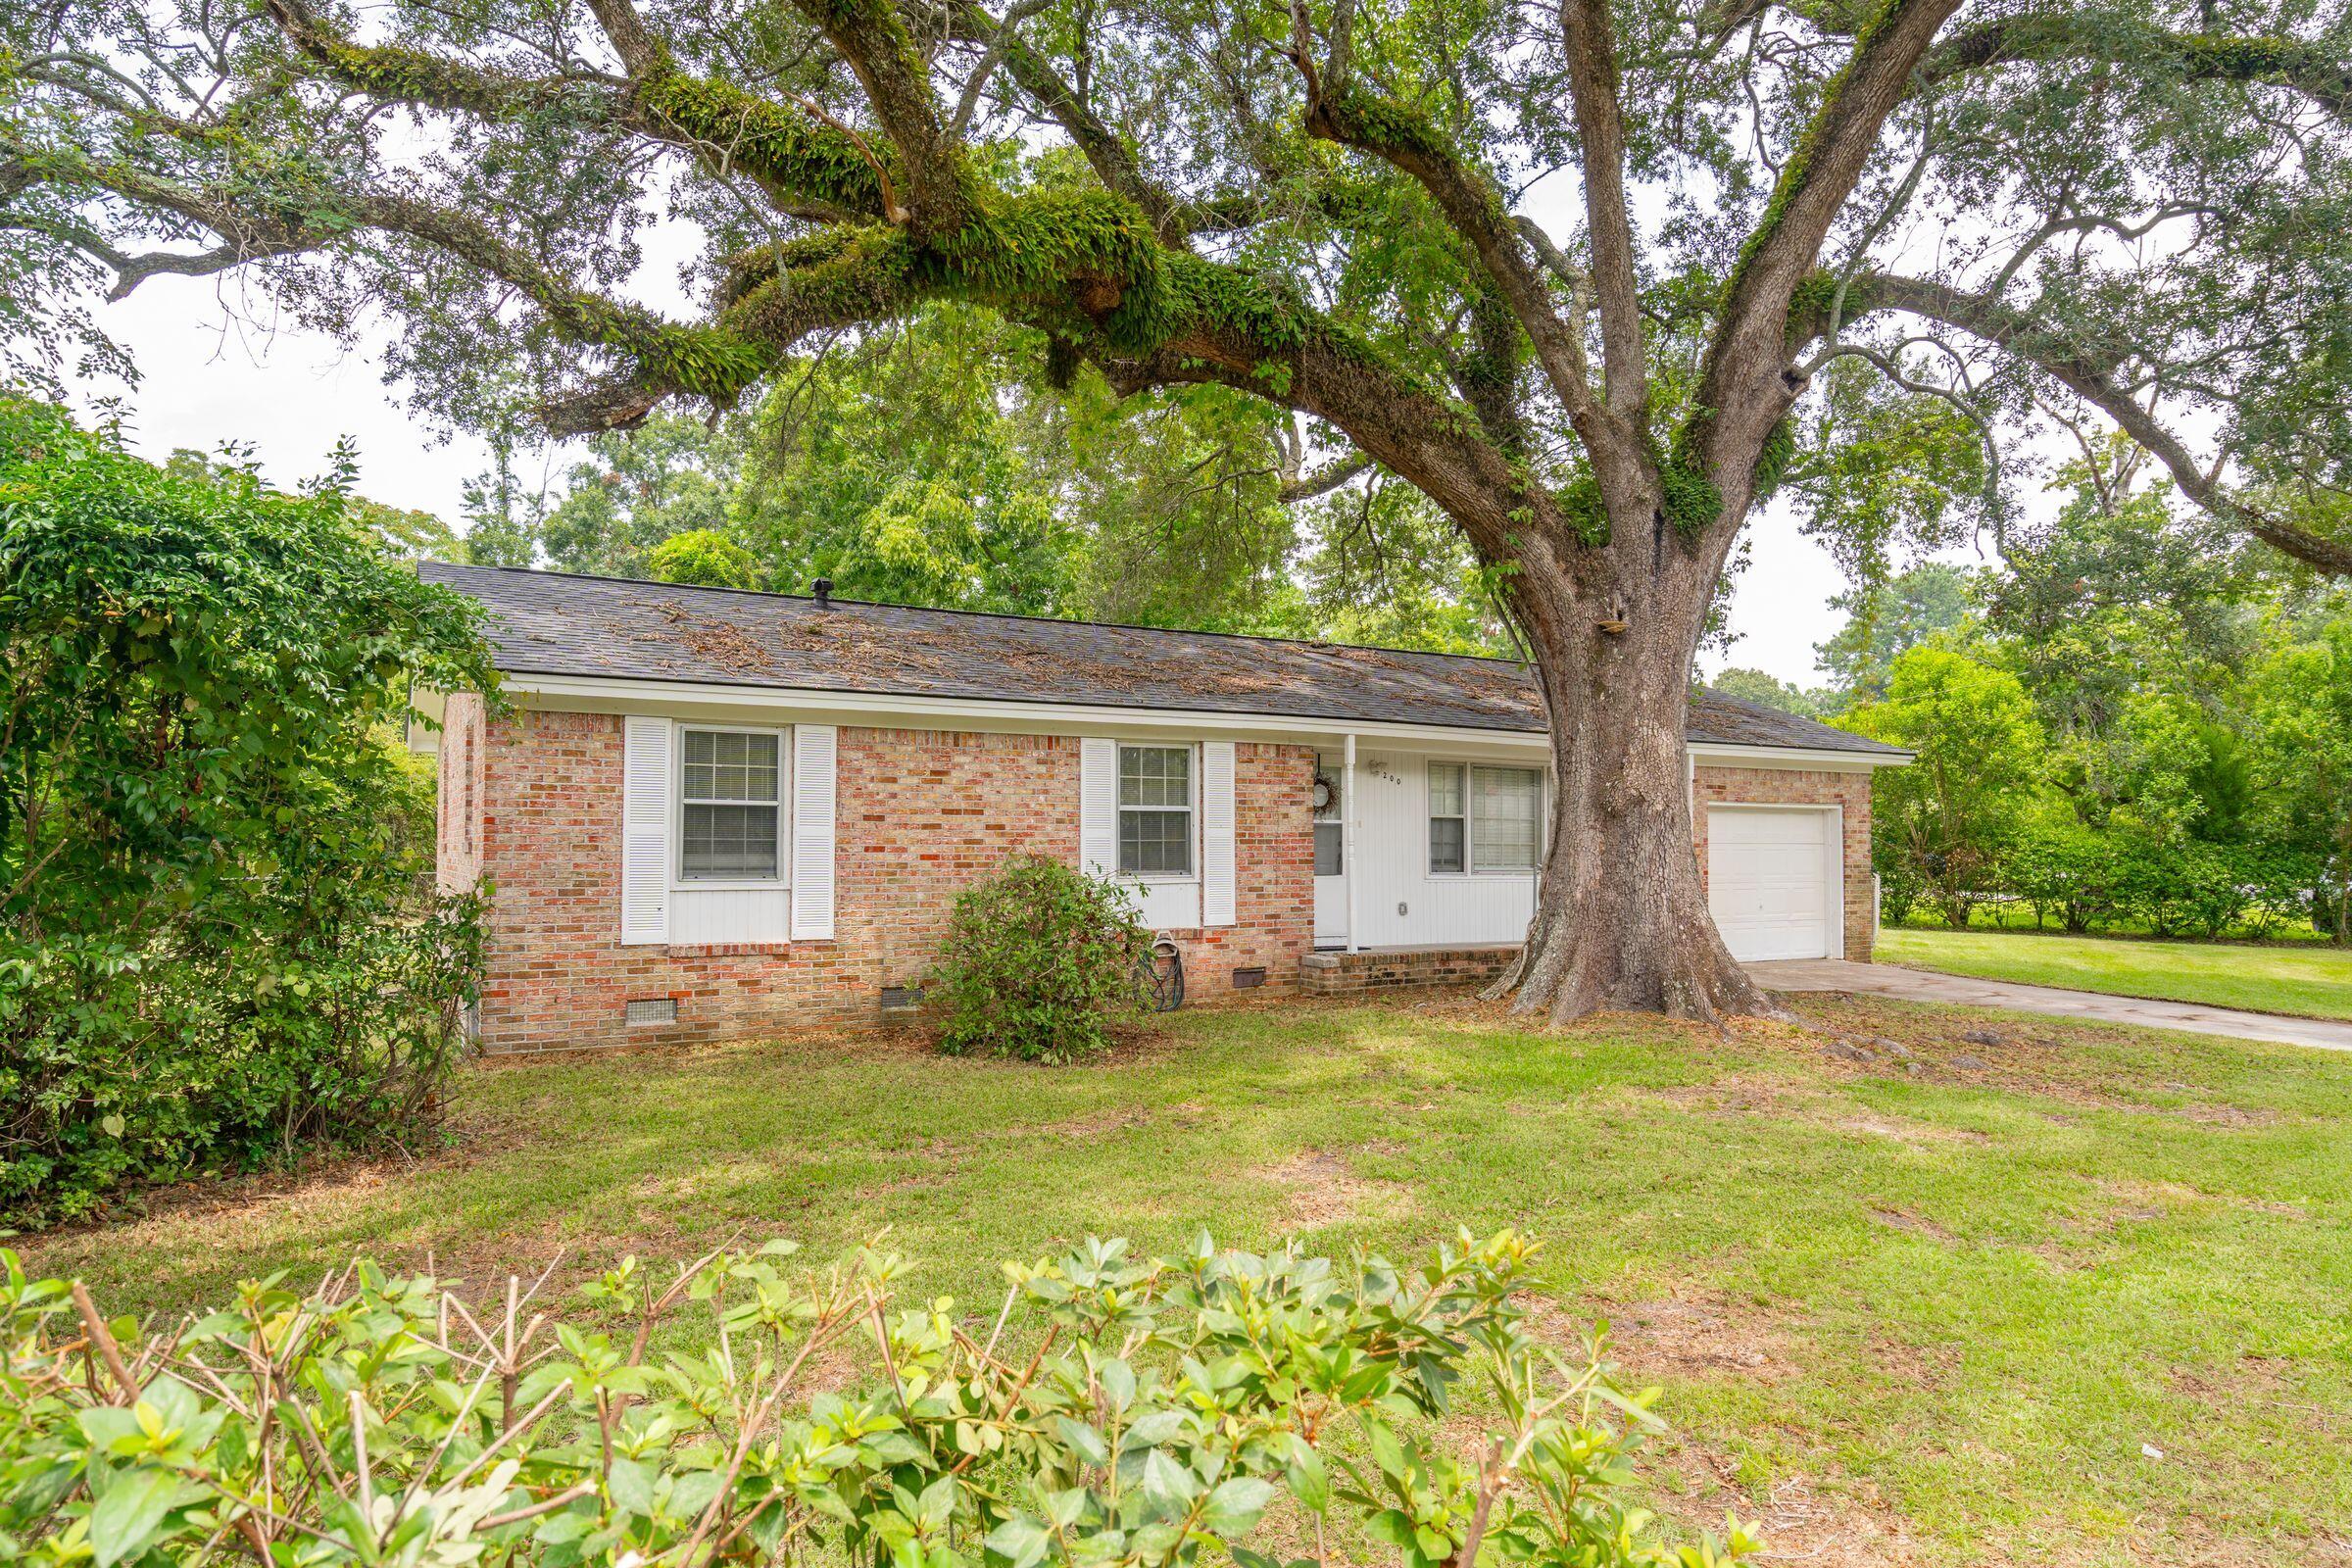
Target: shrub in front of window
[
  {"x": 1121, "y": 1413},
  {"x": 1040, "y": 962}
]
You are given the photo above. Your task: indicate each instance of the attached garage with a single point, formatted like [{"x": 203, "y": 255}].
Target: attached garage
[{"x": 1774, "y": 881}]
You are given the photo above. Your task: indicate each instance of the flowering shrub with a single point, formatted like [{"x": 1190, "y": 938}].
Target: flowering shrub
[{"x": 1119, "y": 1413}]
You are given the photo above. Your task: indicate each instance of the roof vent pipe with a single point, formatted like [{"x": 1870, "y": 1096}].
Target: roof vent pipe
[{"x": 825, "y": 592}]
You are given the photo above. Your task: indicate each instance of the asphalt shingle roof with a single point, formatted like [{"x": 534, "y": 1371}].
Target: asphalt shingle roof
[{"x": 552, "y": 623}]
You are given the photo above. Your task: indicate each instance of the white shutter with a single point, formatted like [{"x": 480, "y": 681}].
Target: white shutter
[
  {"x": 645, "y": 775},
  {"x": 812, "y": 755},
  {"x": 1098, "y": 806},
  {"x": 1216, "y": 832}
]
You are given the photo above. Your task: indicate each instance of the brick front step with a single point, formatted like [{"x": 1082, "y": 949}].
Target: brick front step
[{"x": 1334, "y": 974}]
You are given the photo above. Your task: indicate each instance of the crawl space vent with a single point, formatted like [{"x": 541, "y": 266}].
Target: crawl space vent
[
  {"x": 901, "y": 999},
  {"x": 1249, "y": 979},
  {"x": 657, "y": 1009}
]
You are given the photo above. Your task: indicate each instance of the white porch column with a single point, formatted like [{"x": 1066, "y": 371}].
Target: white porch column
[{"x": 1347, "y": 835}]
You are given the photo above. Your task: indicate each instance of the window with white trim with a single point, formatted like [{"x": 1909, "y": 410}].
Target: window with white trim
[
  {"x": 1449, "y": 828},
  {"x": 730, "y": 804},
  {"x": 1484, "y": 819},
  {"x": 1506, "y": 818},
  {"x": 1155, "y": 810}
]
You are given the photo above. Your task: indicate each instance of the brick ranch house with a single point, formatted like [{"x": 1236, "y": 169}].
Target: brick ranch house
[{"x": 712, "y": 814}]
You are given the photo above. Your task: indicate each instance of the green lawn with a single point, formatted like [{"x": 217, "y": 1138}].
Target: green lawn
[
  {"x": 2080, "y": 1298},
  {"x": 2309, "y": 982}
]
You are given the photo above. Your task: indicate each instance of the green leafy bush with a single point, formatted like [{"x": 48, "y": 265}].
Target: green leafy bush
[
  {"x": 1039, "y": 961},
  {"x": 704, "y": 556},
  {"x": 1119, "y": 1414},
  {"x": 2131, "y": 880},
  {"x": 218, "y": 939}
]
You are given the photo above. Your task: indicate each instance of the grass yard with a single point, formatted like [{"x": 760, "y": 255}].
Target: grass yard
[
  {"x": 2077, "y": 1297},
  {"x": 2310, "y": 982}
]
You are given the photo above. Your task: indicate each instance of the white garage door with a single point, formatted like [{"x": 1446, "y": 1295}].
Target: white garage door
[{"x": 1771, "y": 881}]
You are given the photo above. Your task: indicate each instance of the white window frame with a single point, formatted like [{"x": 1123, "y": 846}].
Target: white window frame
[
  {"x": 1469, "y": 817},
  {"x": 1334, "y": 816},
  {"x": 679, "y": 881},
  {"x": 1191, "y": 810}
]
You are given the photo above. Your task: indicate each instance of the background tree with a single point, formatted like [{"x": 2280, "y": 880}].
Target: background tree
[
  {"x": 702, "y": 556},
  {"x": 2303, "y": 718},
  {"x": 1887, "y": 617},
  {"x": 1943, "y": 822},
  {"x": 636, "y": 488},
  {"x": 2133, "y": 212},
  {"x": 1757, "y": 686}
]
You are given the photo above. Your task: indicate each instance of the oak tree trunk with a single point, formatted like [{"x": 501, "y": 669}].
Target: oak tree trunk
[{"x": 1621, "y": 920}]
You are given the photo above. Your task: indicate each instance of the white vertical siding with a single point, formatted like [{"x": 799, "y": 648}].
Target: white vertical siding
[
  {"x": 729, "y": 917},
  {"x": 1391, "y": 869}
]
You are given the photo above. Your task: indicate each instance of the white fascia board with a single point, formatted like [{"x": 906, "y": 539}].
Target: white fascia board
[
  {"x": 704, "y": 700},
  {"x": 586, "y": 693},
  {"x": 1819, "y": 760}
]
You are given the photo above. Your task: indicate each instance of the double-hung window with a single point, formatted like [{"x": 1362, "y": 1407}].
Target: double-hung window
[
  {"x": 1485, "y": 818},
  {"x": 1155, "y": 810},
  {"x": 730, "y": 806},
  {"x": 1449, "y": 825}
]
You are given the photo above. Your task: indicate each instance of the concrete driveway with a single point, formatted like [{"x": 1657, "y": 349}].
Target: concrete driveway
[{"x": 1920, "y": 985}]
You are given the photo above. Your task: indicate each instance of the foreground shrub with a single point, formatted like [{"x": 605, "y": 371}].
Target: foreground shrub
[
  {"x": 1127, "y": 1413},
  {"x": 219, "y": 940},
  {"x": 1040, "y": 960}
]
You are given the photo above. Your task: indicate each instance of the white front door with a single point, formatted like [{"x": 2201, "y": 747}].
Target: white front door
[
  {"x": 1773, "y": 878},
  {"x": 1331, "y": 875}
]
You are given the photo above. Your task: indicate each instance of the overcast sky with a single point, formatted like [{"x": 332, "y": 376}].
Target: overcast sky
[{"x": 208, "y": 379}]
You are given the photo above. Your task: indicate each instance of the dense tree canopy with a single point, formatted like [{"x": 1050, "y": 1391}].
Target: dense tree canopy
[
  {"x": 1593, "y": 279},
  {"x": 2178, "y": 763},
  {"x": 928, "y": 464}
]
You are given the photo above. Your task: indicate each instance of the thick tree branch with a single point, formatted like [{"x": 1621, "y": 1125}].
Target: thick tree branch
[
  {"x": 2320, "y": 74},
  {"x": 1324, "y": 480},
  {"x": 1742, "y": 381},
  {"x": 805, "y": 162},
  {"x": 716, "y": 362},
  {"x": 2091, "y": 376},
  {"x": 639, "y": 50},
  {"x": 413, "y": 77},
  {"x": 1587, "y": 32},
  {"x": 1396, "y": 423},
  {"x": 873, "y": 39},
  {"x": 1358, "y": 118}
]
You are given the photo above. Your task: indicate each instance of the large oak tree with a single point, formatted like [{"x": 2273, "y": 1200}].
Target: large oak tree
[{"x": 2134, "y": 211}]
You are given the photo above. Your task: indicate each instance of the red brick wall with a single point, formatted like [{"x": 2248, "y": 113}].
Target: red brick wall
[
  {"x": 919, "y": 814},
  {"x": 1783, "y": 786},
  {"x": 1274, "y": 876}
]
